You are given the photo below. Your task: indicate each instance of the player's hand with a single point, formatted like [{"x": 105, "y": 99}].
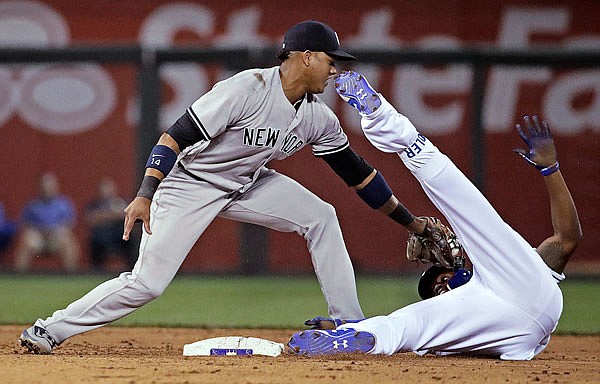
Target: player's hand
[
  {"x": 138, "y": 209},
  {"x": 541, "y": 151},
  {"x": 321, "y": 322}
]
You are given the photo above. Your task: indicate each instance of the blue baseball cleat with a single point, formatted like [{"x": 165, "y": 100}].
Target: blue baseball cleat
[
  {"x": 356, "y": 91},
  {"x": 330, "y": 342}
]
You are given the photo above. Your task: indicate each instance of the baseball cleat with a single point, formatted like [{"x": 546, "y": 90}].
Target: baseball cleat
[
  {"x": 37, "y": 340},
  {"x": 356, "y": 91},
  {"x": 329, "y": 342}
]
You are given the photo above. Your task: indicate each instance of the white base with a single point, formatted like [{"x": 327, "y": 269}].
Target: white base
[{"x": 233, "y": 346}]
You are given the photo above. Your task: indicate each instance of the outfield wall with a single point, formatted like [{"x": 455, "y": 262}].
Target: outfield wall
[{"x": 80, "y": 120}]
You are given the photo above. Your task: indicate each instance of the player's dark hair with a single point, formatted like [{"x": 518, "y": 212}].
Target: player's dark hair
[{"x": 283, "y": 55}]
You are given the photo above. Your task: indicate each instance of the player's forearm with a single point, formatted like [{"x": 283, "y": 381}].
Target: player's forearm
[
  {"x": 375, "y": 191},
  {"x": 159, "y": 164},
  {"x": 156, "y": 168},
  {"x": 394, "y": 209},
  {"x": 565, "y": 220},
  {"x": 371, "y": 187}
]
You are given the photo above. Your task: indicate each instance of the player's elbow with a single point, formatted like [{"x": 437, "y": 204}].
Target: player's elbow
[{"x": 572, "y": 240}]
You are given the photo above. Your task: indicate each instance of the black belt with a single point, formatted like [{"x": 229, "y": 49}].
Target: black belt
[
  {"x": 230, "y": 195},
  {"x": 190, "y": 174}
]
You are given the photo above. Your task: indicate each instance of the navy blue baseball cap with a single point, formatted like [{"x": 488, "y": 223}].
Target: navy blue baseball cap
[{"x": 314, "y": 36}]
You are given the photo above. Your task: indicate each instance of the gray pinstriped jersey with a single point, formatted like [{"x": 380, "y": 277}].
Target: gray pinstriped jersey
[{"x": 248, "y": 121}]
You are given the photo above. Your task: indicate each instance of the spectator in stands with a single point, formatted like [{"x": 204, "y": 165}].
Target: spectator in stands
[
  {"x": 47, "y": 227},
  {"x": 104, "y": 216},
  {"x": 8, "y": 228}
]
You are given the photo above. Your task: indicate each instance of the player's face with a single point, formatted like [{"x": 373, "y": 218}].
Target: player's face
[
  {"x": 440, "y": 284},
  {"x": 322, "y": 69}
]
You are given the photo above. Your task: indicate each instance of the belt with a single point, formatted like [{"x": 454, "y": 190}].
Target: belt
[
  {"x": 230, "y": 194},
  {"x": 190, "y": 174}
]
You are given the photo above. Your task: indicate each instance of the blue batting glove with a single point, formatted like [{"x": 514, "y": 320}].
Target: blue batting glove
[{"x": 541, "y": 151}]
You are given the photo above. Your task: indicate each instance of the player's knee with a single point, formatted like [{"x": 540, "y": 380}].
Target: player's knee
[
  {"x": 145, "y": 291},
  {"x": 154, "y": 291},
  {"x": 325, "y": 213}
]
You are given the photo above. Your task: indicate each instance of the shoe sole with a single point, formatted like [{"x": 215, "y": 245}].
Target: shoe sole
[
  {"x": 314, "y": 343},
  {"x": 352, "y": 98},
  {"x": 33, "y": 347}
]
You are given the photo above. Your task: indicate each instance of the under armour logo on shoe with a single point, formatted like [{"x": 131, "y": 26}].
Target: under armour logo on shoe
[
  {"x": 361, "y": 94},
  {"x": 336, "y": 344},
  {"x": 356, "y": 90}
]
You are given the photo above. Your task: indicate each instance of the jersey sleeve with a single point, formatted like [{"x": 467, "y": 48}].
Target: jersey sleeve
[
  {"x": 332, "y": 138},
  {"x": 220, "y": 107},
  {"x": 557, "y": 276}
]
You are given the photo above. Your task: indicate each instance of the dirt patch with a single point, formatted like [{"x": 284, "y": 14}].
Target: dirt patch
[{"x": 154, "y": 355}]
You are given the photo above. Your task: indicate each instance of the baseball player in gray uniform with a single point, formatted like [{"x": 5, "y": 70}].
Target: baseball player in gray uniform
[
  {"x": 212, "y": 163},
  {"x": 512, "y": 303}
]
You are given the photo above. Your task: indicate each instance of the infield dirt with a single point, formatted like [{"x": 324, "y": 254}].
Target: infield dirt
[{"x": 154, "y": 355}]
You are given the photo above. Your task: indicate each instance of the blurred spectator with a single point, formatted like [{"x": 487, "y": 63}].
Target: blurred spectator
[
  {"x": 47, "y": 227},
  {"x": 8, "y": 228},
  {"x": 104, "y": 215}
]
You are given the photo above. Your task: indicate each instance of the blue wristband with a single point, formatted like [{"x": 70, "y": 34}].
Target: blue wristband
[
  {"x": 550, "y": 169},
  {"x": 376, "y": 193},
  {"x": 162, "y": 158}
]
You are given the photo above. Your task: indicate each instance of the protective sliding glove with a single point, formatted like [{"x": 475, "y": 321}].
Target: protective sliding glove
[{"x": 541, "y": 151}]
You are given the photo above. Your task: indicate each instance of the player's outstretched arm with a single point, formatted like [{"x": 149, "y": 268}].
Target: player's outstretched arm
[
  {"x": 371, "y": 187},
  {"x": 161, "y": 160},
  {"x": 558, "y": 248},
  {"x": 375, "y": 186}
]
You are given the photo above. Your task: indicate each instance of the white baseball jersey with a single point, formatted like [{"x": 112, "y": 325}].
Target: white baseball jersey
[
  {"x": 246, "y": 121},
  {"x": 512, "y": 303}
]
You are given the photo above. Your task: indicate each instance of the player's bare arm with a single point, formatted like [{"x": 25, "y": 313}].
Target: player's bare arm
[
  {"x": 558, "y": 248},
  {"x": 139, "y": 208}
]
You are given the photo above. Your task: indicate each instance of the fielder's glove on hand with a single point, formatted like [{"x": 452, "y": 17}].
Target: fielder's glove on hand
[{"x": 437, "y": 244}]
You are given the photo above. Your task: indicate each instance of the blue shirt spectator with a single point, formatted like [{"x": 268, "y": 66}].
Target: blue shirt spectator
[
  {"x": 49, "y": 213},
  {"x": 47, "y": 227}
]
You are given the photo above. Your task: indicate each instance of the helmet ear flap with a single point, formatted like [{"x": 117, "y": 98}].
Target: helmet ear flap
[{"x": 461, "y": 276}]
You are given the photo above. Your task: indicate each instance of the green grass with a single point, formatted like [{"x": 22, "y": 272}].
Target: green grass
[{"x": 266, "y": 302}]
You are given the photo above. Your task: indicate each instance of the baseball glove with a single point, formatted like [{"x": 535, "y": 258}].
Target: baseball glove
[{"x": 437, "y": 244}]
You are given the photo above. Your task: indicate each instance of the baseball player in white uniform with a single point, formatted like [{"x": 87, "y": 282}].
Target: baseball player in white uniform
[
  {"x": 212, "y": 163},
  {"x": 512, "y": 303}
]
